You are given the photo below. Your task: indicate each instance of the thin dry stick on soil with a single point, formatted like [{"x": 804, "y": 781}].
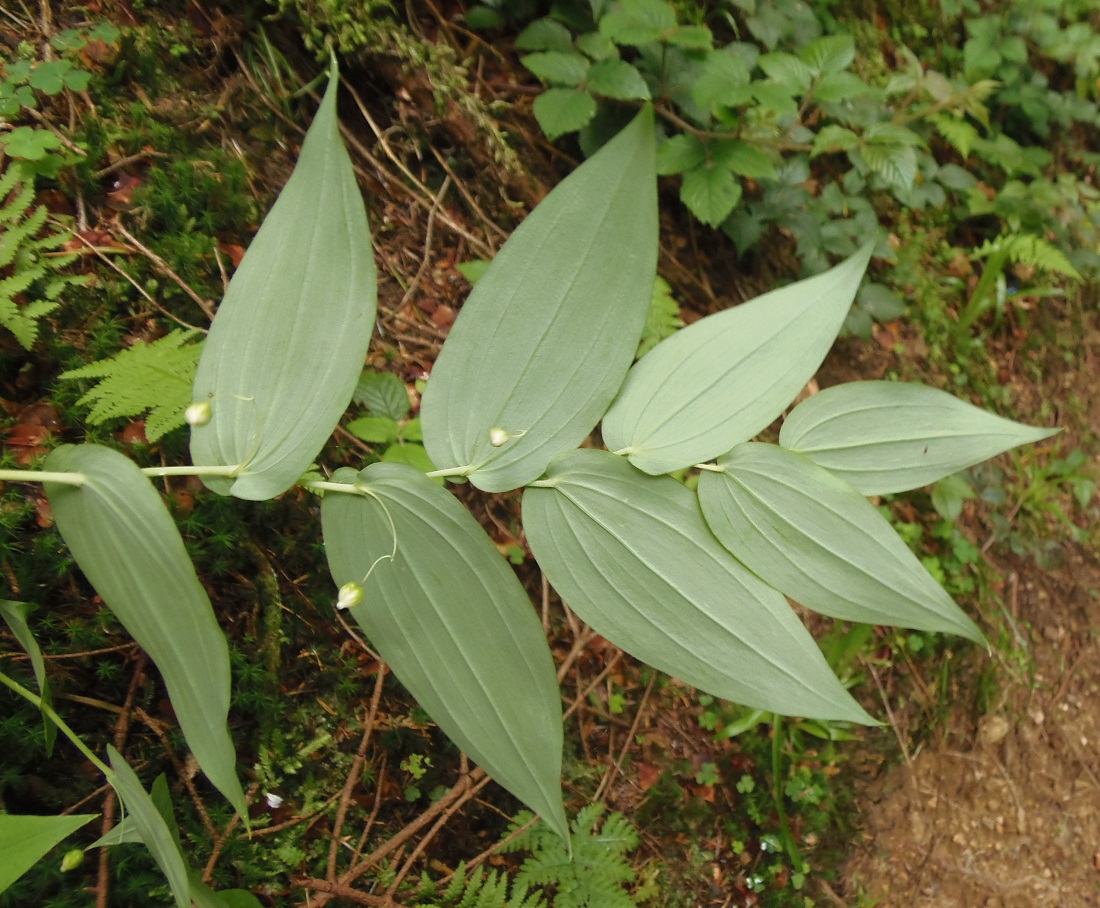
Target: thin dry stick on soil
[
  {"x": 110, "y": 802},
  {"x": 162, "y": 266},
  {"x": 114, "y": 266},
  {"x": 353, "y": 775}
]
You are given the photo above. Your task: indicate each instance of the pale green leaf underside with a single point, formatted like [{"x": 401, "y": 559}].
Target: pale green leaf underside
[
  {"x": 286, "y": 348},
  {"x": 720, "y": 381},
  {"x": 455, "y": 625},
  {"x": 24, "y": 840},
  {"x": 884, "y": 437},
  {"x": 545, "y": 338},
  {"x": 632, "y": 556},
  {"x": 154, "y": 830},
  {"x": 127, "y": 545},
  {"x": 819, "y": 541}
]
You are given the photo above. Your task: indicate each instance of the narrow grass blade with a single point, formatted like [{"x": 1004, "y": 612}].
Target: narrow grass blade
[
  {"x": 542, "y": 344},
  {"x": 453, "y": 622},
  {"x": 15, "y": 616},
  {"x": 286, "y": 348},
  {"x": 127, "y": 545},
  {"x": 884, "y": 437},
  {"x": 632, "y": 556},
  {"x": 819, "y": 541},
  {"x": 24, "y": 840},
  {"x": 720, "y": 381},
  {"x": 159, "y": 837}
]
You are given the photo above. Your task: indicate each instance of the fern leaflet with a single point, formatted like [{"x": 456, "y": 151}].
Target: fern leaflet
[
  {"x": 24, "y": 261},
  {"x": 155, "y": 377},
  {"x": 594, "y": 876},
  {"x": 663, "y": 319}
]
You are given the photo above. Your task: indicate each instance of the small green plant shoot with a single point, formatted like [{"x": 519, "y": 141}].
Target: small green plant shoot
[{"x": 543, "y": 351}]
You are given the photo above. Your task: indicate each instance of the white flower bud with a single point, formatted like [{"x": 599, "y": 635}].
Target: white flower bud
[
  {"x": 273, "y": 800},
  {"x": 498, "y": 436},
  {"x": 198, "y": 414},
  {"x": 350, "y": 594}
]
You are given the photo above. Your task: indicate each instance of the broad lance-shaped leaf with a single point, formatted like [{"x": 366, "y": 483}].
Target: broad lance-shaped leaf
[
  {"x": 158, "y": 834},
  {"x": 819, "y": 541},
  {"x": 884, "y": 437},
  {"x": 543, "y": 342},
  {"x": 453, "y": 622},
  {"x": 15, "y": 616},
  {"x": 286, "y": 348},
  {"x": 127, "y": 545},
  {"x": 24, "y": 840},
  {"x": 632, "y": 556},
  {"x": 720, "y": 381}
]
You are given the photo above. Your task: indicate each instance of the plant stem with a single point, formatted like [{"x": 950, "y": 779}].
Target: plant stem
[
  {"x": 345, "y": 488},
  {"x": 191, "y": 471},
  {"x": 69, "y": 479},
  {"x": 49, "y": 713},
  {"x": 712, "y": 467},
  {"x": 450, "y": 471}
]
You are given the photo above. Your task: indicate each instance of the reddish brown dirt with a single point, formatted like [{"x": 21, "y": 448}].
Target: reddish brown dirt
[{"x": 1002, "y": 810}]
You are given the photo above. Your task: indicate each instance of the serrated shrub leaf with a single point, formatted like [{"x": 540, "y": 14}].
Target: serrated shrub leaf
[
  {"x": 127, "y": 545},
  {"x": 563, "y": 110},
  {"x": 632, "y": 556},
  {"x": 829, "y": 54},
  {"x": 745, "y": 160},
  {"x": 453, "y": 622},
  {"x": 896, "y": 164},
  {"x": 680, "y": 153},
  {"x": 723, "y": 379},
  {"x": 724, "y": 80},
  {"x": 286, "y": 348},
  {"x": 787, "y": 70},
  {"x": 545, "y": 34},
  {"x": 840, "y": 87},
  {"x": 884, "y": 437},
  {"x": 638, "y": 22},
  {"x": 693, "y": 37},
  {"x": 547, "y": 335},
  {"x": 834, "y": 138},
  {"x": 557, "y": 68},
  {"x": 617, "y": 79},
  {"x": 382, "y": 394},
  {"x": 26, "y": 839},
  {"x": 710, "y": 192},
  {"x": 819, "y": 541}
]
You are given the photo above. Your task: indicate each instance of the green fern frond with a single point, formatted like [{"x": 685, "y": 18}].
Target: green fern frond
[
  {"x": 663, "y": 319},
  {"x": 958, "y": 133},
  {"x": 484, "y": 890},
  {"x": 156, "y": 377},
  {"x": 1028, "y": 249},
  {"x": 25, "y": 258},
  {"x": 596, "y": 874}
]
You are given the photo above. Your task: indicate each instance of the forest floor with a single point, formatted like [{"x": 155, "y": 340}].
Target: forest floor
[{"x": 1001, "y": 808}]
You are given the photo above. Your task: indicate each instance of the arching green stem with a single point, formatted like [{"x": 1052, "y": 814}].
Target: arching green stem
[
  {"x": 192, "y": 471},
  {"x": 69, "y": 479},
  {"x": 49, "y": 713}
]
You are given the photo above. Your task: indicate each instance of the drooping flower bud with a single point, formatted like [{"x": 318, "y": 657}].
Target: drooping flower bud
[
  {"x": 350, "y": 594},
  {"x": 72, "y": 860},
  {"x": 198, "y": 414},
  {"x": 498, "y": 436}
]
